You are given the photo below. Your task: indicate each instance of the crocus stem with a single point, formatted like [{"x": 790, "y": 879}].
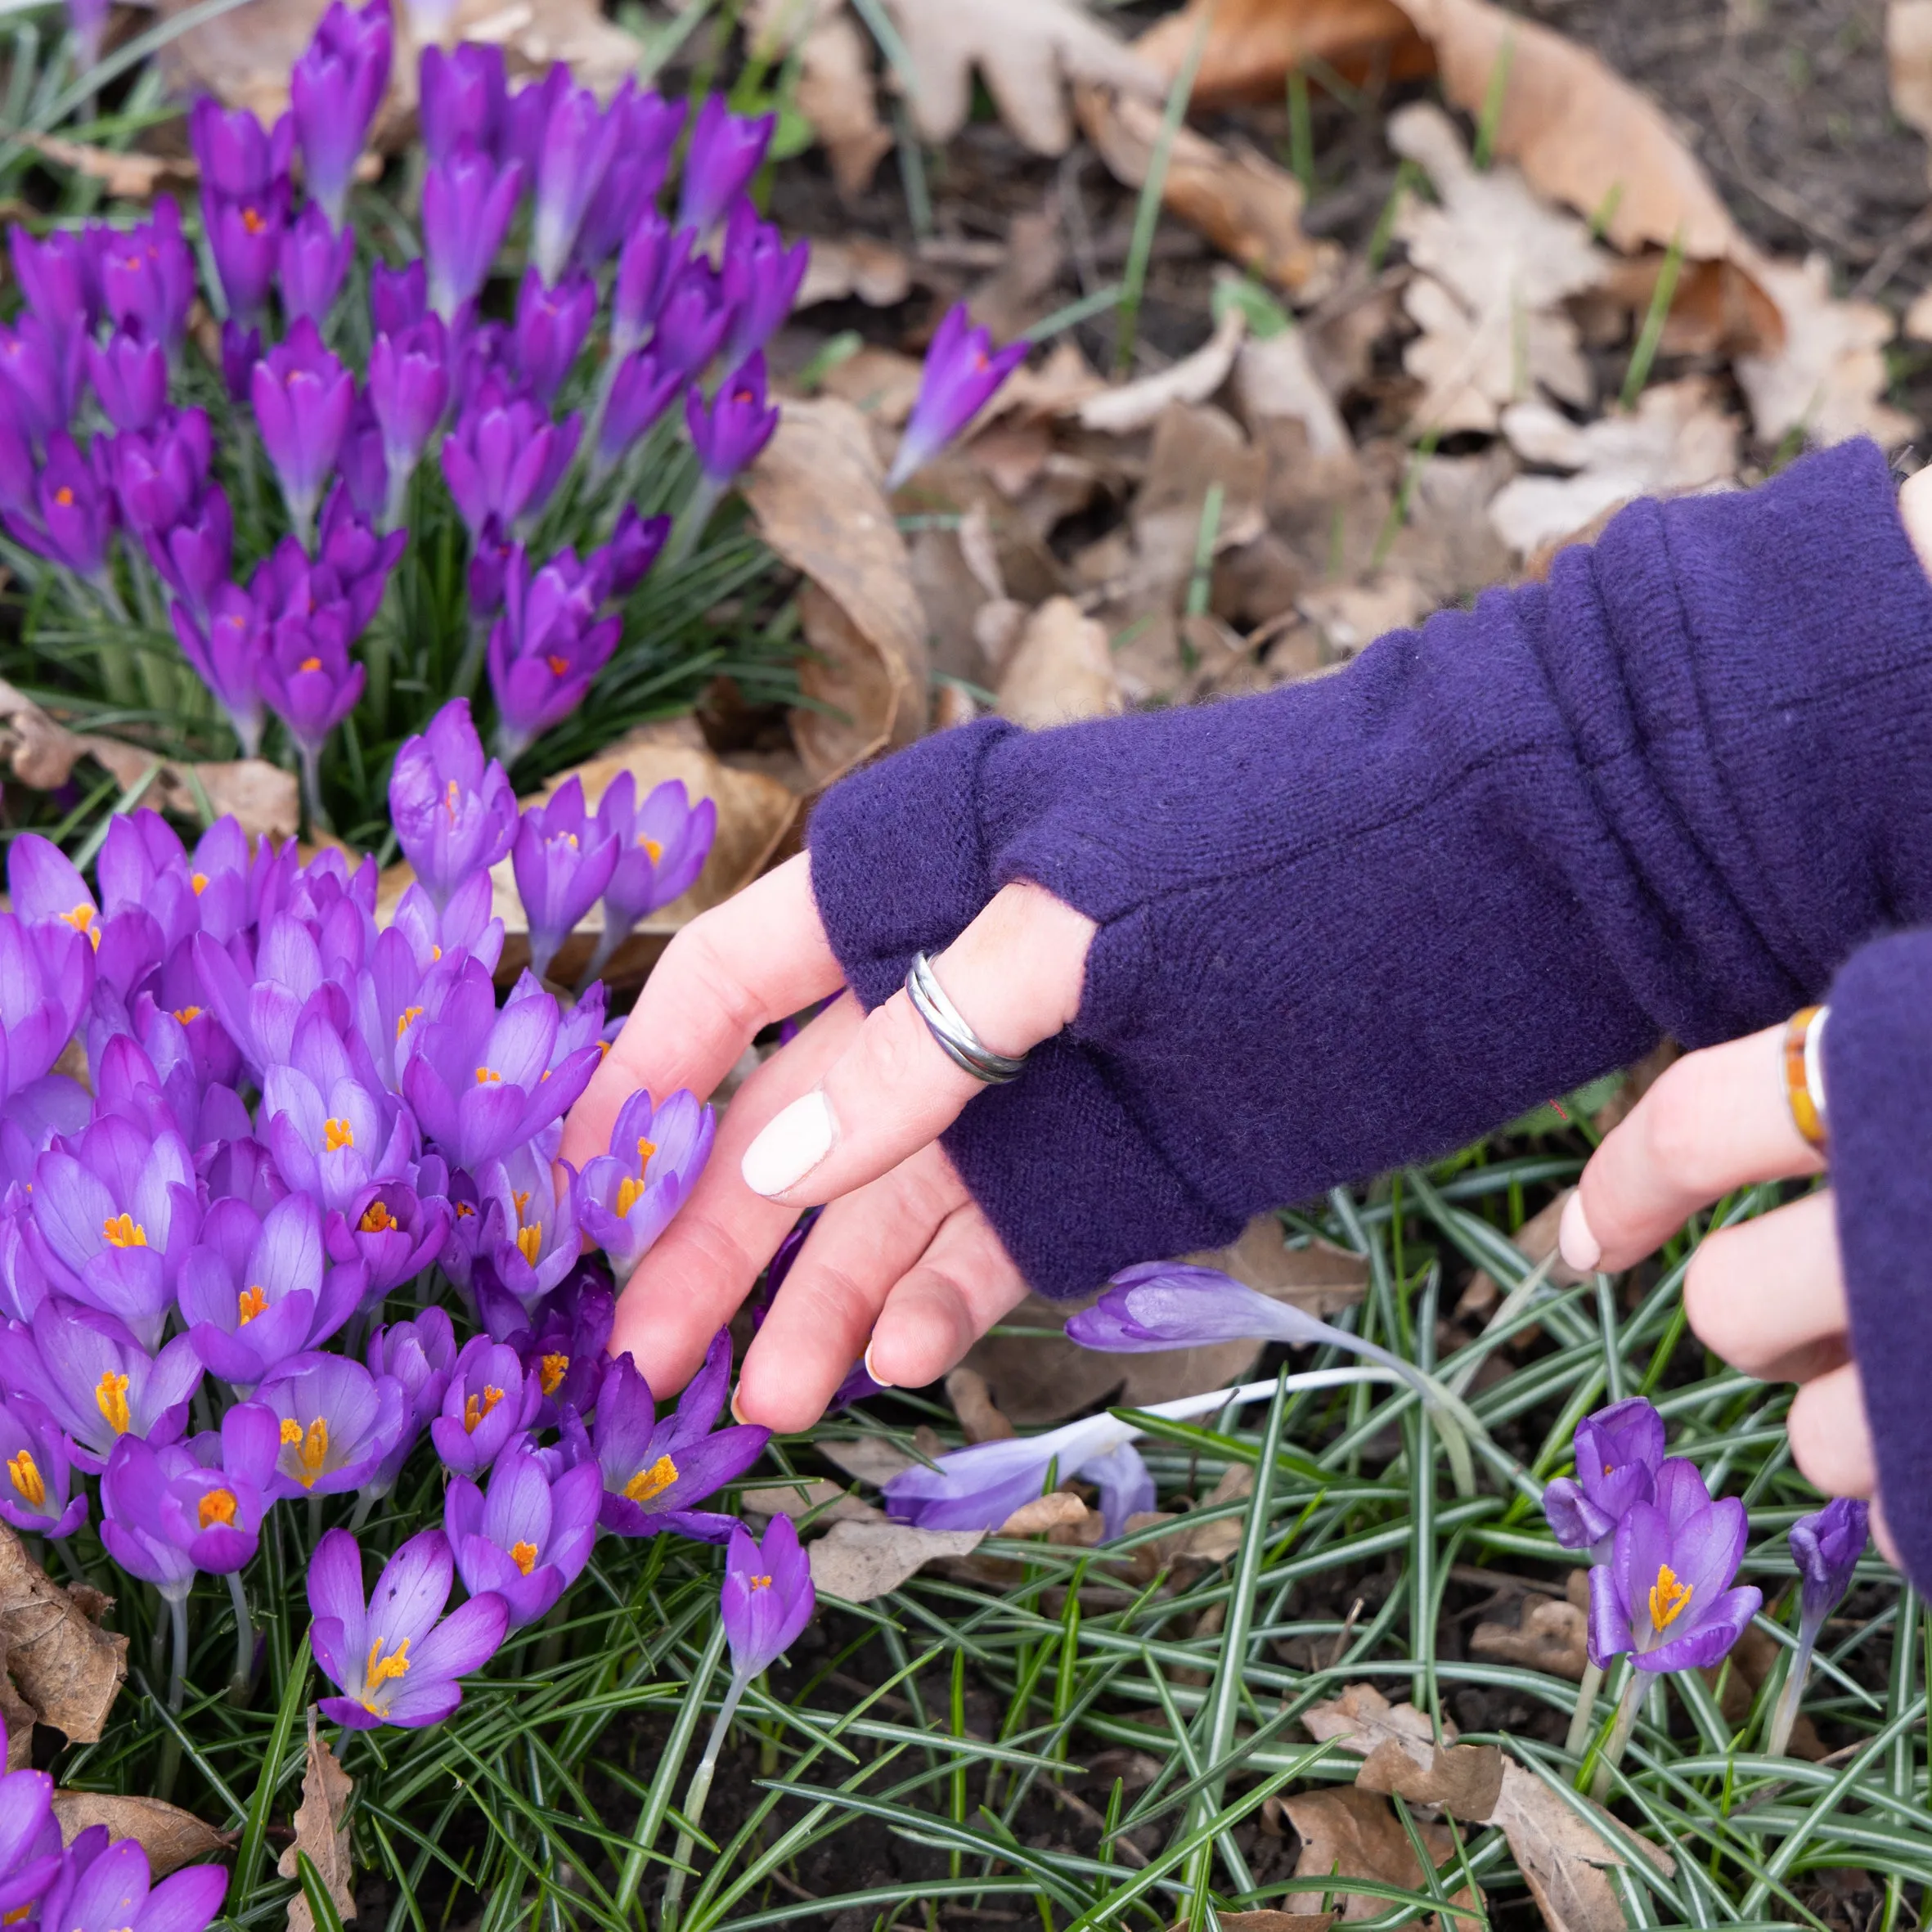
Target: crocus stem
[
  {"x": 311, "y": 787},
  {"x": 244, "y": 1641},
  {"x": 467, "y": 670},
  {"x": 695, "y": 1798},
  {"x": 1620, "y": 1733},
  {"x": 704, "y": 498},
  {"x": 364, "y": 1502},
  {"x": 397, "y": 501},
  {"x": 178, "y": 1673},
  {"x": 1793, "y": 1695},
  {"x": 1587, "y": 1693}
]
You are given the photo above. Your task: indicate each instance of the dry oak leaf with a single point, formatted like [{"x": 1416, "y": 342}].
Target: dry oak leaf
[
  {"x": 1027, "y": 51},
  {"x": 1059, "y": 670},
  {"x": 1253, "y": 45},
  {"x": 1349, "y": 1833},
  {"x": 1465, "y": 1781},
  {"x": 170, "y": 1836},
  {"x": 816, "y": 495},
  {"x": 1908, "y": 57},
  {"x": 1193, "y": 379},
  {"x": 1246, "y": 206},
  {"x": 15, "y": 1712},
  {"x": 1059, "y": 1509},
  {"x": 1829, "y": 378},
  {"x": 127, "y": 176},
  {"x": 972, "y": 1403},
  {"x": 1496, "y": 264},
  {"x": 322, "y": 1829},
  {"x": 1551, "y": 1635},
  {"x": 60, "y": 1661},
  {"x": 1275, "y": 380},
  {"x": 870, "y": 1458},
  {"x": 797, "y": 1498},
  {"x": 1677, "y": 439},
  {"x": 875, "y": 272},
  {"x": 858, "y": 1561}
]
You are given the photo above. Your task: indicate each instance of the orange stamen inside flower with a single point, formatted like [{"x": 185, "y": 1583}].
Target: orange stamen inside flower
[
  {"x": 530, "y": 1242},
  {"x": 474, "y": 1411},
  {"x": 123, "y": 1230},
  {"x": 406, "y": 1018},
  {"x": 199, "y": 881},
  {"x": 310, "y": 1447},
  {"x": 251, "y": 1302},
  {"x": 111, "y": 1398},
  {"x": 651, "y": 850},
  {"x": 485, "y": 1075},
  {"x": 336, "y": 1135},
  {"x": 185, "y": 1013},
  {"x": 450, "y": 800},
  {"x": 653, "y": 1482},
  {"x": 1668, "y": 1597},
  {"x": 550, "y": 1372},
  {"x": 379, "y": 1670},
  {"x": 27, "y": 1479},
  {"x": 218, "y": 1506},
  {"x": 82, "y": 919},
  {"x": 523, "y": 1555},
  {"x": 252, "y": 220},
  {"x": 376, "y": 1219},
  {"x": 310, "y": 664},
  {"x": 758, "y": 1582}
]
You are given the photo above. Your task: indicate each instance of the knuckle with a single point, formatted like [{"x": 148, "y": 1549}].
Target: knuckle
[
  {"x": 1676, "y": 1141},
  {"x": 695, "y": 958},
  {"x": 1712, "y": 1304}
]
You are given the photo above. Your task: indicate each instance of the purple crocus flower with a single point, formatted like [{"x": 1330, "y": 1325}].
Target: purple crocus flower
[
  {"x": 694, "y": 321},
  {"x": 563, "y": 859},
  {"x": 132, "y": 1529},
  {"x": 227, "y": 654},
  {"x": 454, "y": 812},
  {"x": 337, "y": 1423},
  {"x": 489, "y": 1401},
  {"x": 546, "y": 651},
  {"x": 334, "y": 1132},
  {"x": 1825, "y": 1546},
  {"x": 649, "y": 126},
  {"x": 212, "y": 1509},
  {"x": 1666, "y": 1595},
  {"x": 74, "y": 513},
  {"x": 654, "y": 1471},
  {"x": 565, "y": 1351},
  {"x": 334, "y": 91},
  {"x": 308, "y": 679},
  {"x": 726, "y": 151},
  {"x": 963, "y": 372},
  {"x": 57, "y": 277},
  {"x": 529, "y": 1239},
  {"x": 760, "y": 277},
  {"x": 192, "y": 559},
  {"x": 258, "y": 1291},
  {"x": 552, "y": 320},
  {"x": 242, "y": 350},
  {"x": 529, "y": 1539},
  {"x": 160, "y": 478},
  {"x": 396, "y": 1657},
  {"x": 421, "y": 1356},
  {"x": 468, "y": 201},
  {"x": 1619, "y": 1451},
  {"x": 30, "y": 1858},
  {"x": 46, "y": 978},
  {"x": 130, "y": 375},
  {"x": 245, "y": 236},
  {"x": 979, "y": 1487},
  {"x": 147, "y": 275},
  {"x": 636, "y": 543},
  {"x": 730, "y": 433},
  {"x": 303, "y": 396},
  {"x": 399, "y": 297},
  {"x": 392, "y": 1232},
  {"x": 503, "y": 458},
  {"x": 40, "y": 378},
  {"x": 767, "y": 1598},
  {"x": 38, "y": 1493},
  {"x": 481, "y": 1082},
  {"x": 97, "y": 1380},
  {"x": 106, "y": 1888},
  {"x": 662, "y": 847},
  {"x": 238, "y": 157},
  {"x": 579, "y": 140},
  {"x": 463, "y": 95},
  {"x": 408, "y": 391},
  {"x": 648, "y": 266},
  {"x": 627, "y": 1198},
  {"x": 314, "y": 260},
  {"x": 642, "y": 389}
]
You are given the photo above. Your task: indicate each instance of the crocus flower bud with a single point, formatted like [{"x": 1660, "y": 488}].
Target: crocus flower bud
[
  {"x": 307, "y": 678},
  {"x": 303, "y": 396},
  {"x": 40, "y": 378},
  {"x": 579, "y": 139},
  {"x": 625, "y": 560},
  {"x": 640, "y": 392},
  {"x": 650, "y": 126},
  {"x": 463, "y": 93},
  {"x": 528, "y": 1539},
  {"x": 730, "y": 432},
  {"x": 335, "y": 89},
  {"x": 694, "y": 321},
  {"x": 503, "y": 458},
  {"x": 130, "y": 376},
  {"x": 552, "y": 320},
  {"x": 240, "y": 160},
  {"x": 73, "y": 513},
  {"x": 147, "y": 275},
  {"x": 454, "y": 812},
  {"x": 662, "y": 847},
  {"x": 468, "y": 201},
  {"x": 1826, "y": 1546},
  {"x": 650, "y": 263},
  {"x": 226, "y": 653},
  {"x": 158, "y": 477},
  {"x": 242, "y": 350},
  {"x": 57, "y": 279},
  {"x": 408, "y": 391},
  {"x": 562, "y": 860},
  {"x": 962, "y": 373},
  {"x": 245, "y": 236},
  {"x": 726, "y": 152},
  {"x": 313, "y": 259},
  {"x": 767, "y": 1598},
  {"x": 399, "y": 297},
  {"x": 192, "y": 558},
  {"x": 544, "y": 651},
  {"x": 761, "y": 278}
]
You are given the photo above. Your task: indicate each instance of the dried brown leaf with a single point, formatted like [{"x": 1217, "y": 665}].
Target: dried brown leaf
[
  {"x": 170, "y": 1836},
  {"x": 321, "y": 1830},
  {"x": 795, "y": 1499},
  {"x": 838, "y": 89},
  {"x": 1060, "y": 669},
  {"x": 816, "y": 496},
  {"x": 1551, "y": 1636},
  {"x": 1252, "y": 45},
  {"x": 127, "y": 176},
  {"x": 18, "y": 1714},
  {"x": 855, "y": 266},
  {"x": 1908, "y": 57},
  {"x": 1275, "y": 379},
  {"x": 1242, "y": 202},
  {"x": 1349, "y": 1833},
  {"x": 972, "y": 1403},
  {"x": 1677, "y": 440},
  {"x": 1465, "y": 1781},
  {"x": 868, "y": 1457},
  {"x": 1318, "y": 1280},
  {"x": 1055, "y": 1511},
  {"x": 65, "y": 1667},
  {"x": 1350, "y": 617},
  {"x": 858, "y": 1561},
  {"x": 1274, "y": 1921},
  {"x": 1829, "y": 378},
  {"x": 1193, "y": 379},
  {"x": 1216, "y": 1542},
  {"x": 1027, "y": 51}
]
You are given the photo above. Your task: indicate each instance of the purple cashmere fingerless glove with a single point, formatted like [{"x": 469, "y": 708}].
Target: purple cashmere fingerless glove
[{"x": 1362, "y": 919}]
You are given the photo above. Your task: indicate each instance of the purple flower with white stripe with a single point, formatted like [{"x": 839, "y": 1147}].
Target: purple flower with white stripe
[
  {"x": 39, "y": 1494},
  {"x": 489, "y": 1401},
  {"x": 627, "y": 1198},
  {"x": 726, "y": 151},
  {"x": 106, "y": 1888},
  {"x": 302, "y": 396},
  {"x": 97, "y": 1380},
  {"x": 335, "y": 89},
  {"x": 338, "y": 1423},
  {"x": 467, "y": 203},
  {"x": 580, "y": 139},
  {"x": 313, "y": 259},
  {"x": 528, "y": 1539}
]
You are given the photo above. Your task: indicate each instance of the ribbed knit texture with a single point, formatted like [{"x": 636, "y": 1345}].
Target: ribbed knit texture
[{"x": 1363, "y": 919}]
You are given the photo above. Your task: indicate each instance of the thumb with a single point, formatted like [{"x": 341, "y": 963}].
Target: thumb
[{"x": 1014, "y": 975}]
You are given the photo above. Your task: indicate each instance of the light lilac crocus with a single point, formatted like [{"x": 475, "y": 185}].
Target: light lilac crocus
[
  {"x": 503, "y": 458},
  {"x": 563, "y": 858},
  {"x": 337, "y": 1423},
  {"x": 489, "y": 1402},
  {"x": 579, "y": 139},
  {"x": 730, "y": 431},
  {"x": 226, "y": 651},
  {"x": 767, "y": 1598},
  {"x": 335, "y": 89},
  {"x": 468, "y": 201},
  {"x": 97, "y": 1380},
  {"x": 760, "y": 277},
  {"x": 656, "y": 1470},
  {"x": 528, "y": 1539},
  {"x": 214, "y": 1510},
  {"x": 395, "y": 1657},
  {"x": 650, "y": 263},
  {"x": 530, "y": 1236},
  {"x": 107, "y": 1888},
  {"x": 302, "y": 397},
  {"x": 46, "y": 980},
  {"x": 963, "y": 373},
  {"x": 313, "y": 259},
  {"x": 421, "y": 1356},
  {"x": 453, "y": 810},
  {"x": 627, "y": 1198},
  {"x": 391, "y": 1232},
  {"x": 38, "y": 1493},
  {"x": 334, "y": 1132},
  {"x": 1619, "y": 1451}
]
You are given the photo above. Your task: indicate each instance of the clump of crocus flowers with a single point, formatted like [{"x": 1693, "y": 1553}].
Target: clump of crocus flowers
[{"x": 224, "y": 1262}]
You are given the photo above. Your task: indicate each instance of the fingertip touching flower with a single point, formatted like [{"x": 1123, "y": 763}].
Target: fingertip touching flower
[
  {"x": 963, "y": 373},
  {"x": 395, "y": 1656},
  {"x": 489, "y": 1402},
  {"x": 335, "y": 89},
  {"x": 726, "y": 151},
  {"x": 337, "y": 1421},
  {"x": 627, "y": 1197},
  {"x": 1666, "y": 1596},
  {"x": 467, "y": 203},
  {"x": 37, "y": 1492},
  {"x": 528, "y": 1539},
  {"x": 1826, "y": 1546},
  {"x": 563, "y": 859},
  {"x": 656, "y": 1469},
  {"x": 1619, "y": 1451},
  {"x": 730, "y": 433},
  {"x": 303, "y": 396},
  {"x": 313, "y": 260},
  {"x": 767, "y": 1598}
]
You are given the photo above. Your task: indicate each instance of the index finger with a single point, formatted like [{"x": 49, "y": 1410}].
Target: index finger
[{"x": 760, "y": 955}]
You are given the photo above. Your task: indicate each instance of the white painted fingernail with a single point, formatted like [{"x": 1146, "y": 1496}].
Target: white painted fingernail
[
  {"x": 793, "y": 1143},
  {"x": 738, "y": 1414},
  {"x": 883, "y": 1382},
  {"x": 1580, "y": 1248}
]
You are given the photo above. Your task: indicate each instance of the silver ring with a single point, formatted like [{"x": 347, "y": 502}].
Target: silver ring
[{"x": 947, "y": 1025}]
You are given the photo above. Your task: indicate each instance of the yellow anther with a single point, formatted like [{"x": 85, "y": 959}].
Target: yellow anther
[
  {"x": 530, "y": 1242},
  {"x": 376, "y": 1219},
  {"x": 523, "y": 1555},
  {"x": 218, "y": 1506},
  {"x": 485, "y": 1075},
  {"x": 291, "y": 1430},
  {"x": 310, "y": 1447},
  {"x": 199, "y": 881},
  {"x": 651, "y": 850},
  {"x": 336, "y": 1135},
  {"x": 185, "y": 1013},
  {"x": 379, "y": 1669},
  {"x": 250, "y": 1303},
  {"x": 406, "y": 1018},
  {"x": 111, "y": 1398},
  {"x": 551, "y": 1371},
  {"x": 450, "y": 800},
  {"x": 653, "y": 1482},
  {"x": 1668, "y": 1597},
  {"x": 81, "y": 918},
  {"x": 27, "y": 1479},
  {"x": 758, "y": 1582},
  {"x": 123, "y": 1230},
  {"x": 474, "y": 1411}
]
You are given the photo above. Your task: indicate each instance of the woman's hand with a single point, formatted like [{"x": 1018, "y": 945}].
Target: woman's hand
[
  {"x": 1767, "y": 1295},
  {"x": 901, "y": 1268}
]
